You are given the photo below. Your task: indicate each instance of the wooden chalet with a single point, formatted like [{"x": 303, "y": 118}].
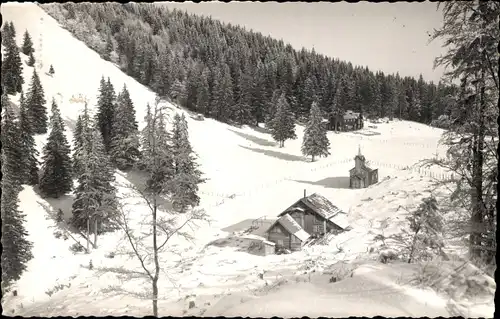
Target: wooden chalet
[
  {"x": 361, "y": 176},
  {"x": 310, "y": 216},
  {"x": 348, "y": 121}
]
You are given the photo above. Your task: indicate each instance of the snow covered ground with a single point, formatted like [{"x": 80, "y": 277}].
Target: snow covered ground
[{"x": 248, "y": 177}]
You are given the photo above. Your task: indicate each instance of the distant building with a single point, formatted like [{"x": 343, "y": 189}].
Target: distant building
[
  {"x": 310, "y": 216},
  {"x": 361, "y": 175},
  {"x": 348, "y": 121}
]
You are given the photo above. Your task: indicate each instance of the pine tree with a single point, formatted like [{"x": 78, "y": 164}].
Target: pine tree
[
  {"x": 162, "y": 78},
  {"x": 7, "y": 37},
  {"x": 178, "y": 92},
  {"x": 403, "y": 105},
  {"x": 12, "y": 77},
  {"x": 159, "y": 162},
  {"x": 31, "y": 60},
  {"x": 308, "y": 96},
  {"x": 124, "y": 151},
  {"x": 27, "y": 47},
  {"x": 16, "y": 249},
  {"x": 203, "y": 95},
  {"x": 56, "y": 171},
  {"x": 315, "y": 142},
  {"x": 83, "y": 121},
  {"x": 414, "y": 105},
  {"x": 51, "y": 70},
  {"x": 376, "y": 103},
  {"x": 35, "y": 101},
  {"x": 186, "y": 177},
  {"x": 28, "y": 146},
  {"x": 95, "y": 196},
  {"x": 271, "y": 108},
  {"x": 258, "y": 100},
  {"x": 192, "y": 86},
  {"x": 12, "y": 30},
  {"x": 283, "y": 124},
  {"x": 105, "y": 112},
  {"x": 146, "y": 139},
  {"x": 222, "y": 96},
  {"x": 470, "y": 31},
  {"x": 14, "y": 152}
]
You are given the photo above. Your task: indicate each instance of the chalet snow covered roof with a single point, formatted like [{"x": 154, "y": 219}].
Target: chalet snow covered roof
[
  {"x": 292, "y": 227},
  {"x": 323, "y": 207}
]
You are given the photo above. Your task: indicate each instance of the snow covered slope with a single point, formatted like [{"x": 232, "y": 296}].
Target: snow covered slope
[{"x": 248, "y": 177}]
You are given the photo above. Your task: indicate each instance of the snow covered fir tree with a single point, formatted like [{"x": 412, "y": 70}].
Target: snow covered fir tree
[
  {"x": 12, "y": 78},
  {"x": 28, "y": 146},
  {"x": 186, "y": 175},
  {"x": 35, "y": 102},
  {"x": 315, "y": 141},
  {"x": 95, "y": 195},
  {"x": 125, "y": 144},
  {"x": 16, "y": 249},
  {"x": 146, "y": 148},
  {"x": 55, "y": 174}
]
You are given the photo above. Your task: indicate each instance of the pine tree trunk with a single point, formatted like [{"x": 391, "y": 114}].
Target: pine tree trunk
[
  {"x": 477, "y": 178},
  {"x": 95, "y": 233},
  {"x": 412, "y": 251},
  {"x": 313, "y": 158},
  {"x": 88, "y": 234},
  {"x": 157, "y": 263}
]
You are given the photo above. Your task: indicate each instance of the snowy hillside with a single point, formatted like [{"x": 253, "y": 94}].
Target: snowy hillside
[{"x": 248, "y": 177}]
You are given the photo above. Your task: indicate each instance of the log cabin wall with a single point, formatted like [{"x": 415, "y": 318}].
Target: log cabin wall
[{"x": 280, "y": 236}]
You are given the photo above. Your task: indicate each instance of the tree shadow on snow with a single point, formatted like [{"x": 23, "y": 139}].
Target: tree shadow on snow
[
  {"x": 248, "y": 245},
  {"x": 260, "y": 129},
  {"x": 251, "y": 226},
  {"x": 137, "y": 180},
  {"x": 64, "y": 203},
  {"x": 254, "y": 139},
  {"x": 276, "y": 154},
  {"x": 330, "y": 182},
  {"x": 366, "y": 133}
]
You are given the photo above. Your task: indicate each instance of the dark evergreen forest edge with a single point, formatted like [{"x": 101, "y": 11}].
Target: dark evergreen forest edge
[{"x": 236, "y": 76}]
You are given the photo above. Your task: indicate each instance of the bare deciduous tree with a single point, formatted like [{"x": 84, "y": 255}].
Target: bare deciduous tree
[{"x": 161, "y": 223}]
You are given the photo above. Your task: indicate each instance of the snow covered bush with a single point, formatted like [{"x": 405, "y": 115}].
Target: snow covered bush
[
  {"x": 57, "y": 288},
  {"x": 59, "y": 215},
  {"x": 442, "y": 121},
  {"x": 77, "y": 248},
  {"x": 457, "y": 279},
  {"x": 423, "y": 238},
  {"x": 387, "y": 255}
]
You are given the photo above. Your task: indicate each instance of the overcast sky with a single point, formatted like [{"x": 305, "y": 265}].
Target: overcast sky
[{"x": 392, "y": 37}]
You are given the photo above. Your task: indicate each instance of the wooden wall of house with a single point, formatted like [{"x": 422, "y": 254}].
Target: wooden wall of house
[
  {"x": 307, "y": 219},
  {"x": 333, "y": 228},
  {"x": 304, "y": 218},
  {"x": 295, "y": 243},
  {"x": 278, "y": 233},
  {"x": 375, "y": 176},
  {"x": 319, "y": 225},
  {"x": 298, "y": 216}
]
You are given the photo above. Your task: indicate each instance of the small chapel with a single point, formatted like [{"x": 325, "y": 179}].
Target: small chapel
[{"x": 361, "y": 176}]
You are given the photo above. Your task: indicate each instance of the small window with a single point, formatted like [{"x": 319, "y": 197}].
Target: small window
[
  {"x": 277, "y": 230},
  {"x": 280, "y": 242},
  {"x": 316, "y": 228}
]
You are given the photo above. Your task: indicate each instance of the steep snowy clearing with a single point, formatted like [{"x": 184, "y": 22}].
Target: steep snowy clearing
[{"x": 248, "y": 177}]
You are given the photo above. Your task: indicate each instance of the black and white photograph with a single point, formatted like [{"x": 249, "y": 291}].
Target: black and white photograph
[{"x": 249, "y": 159}]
